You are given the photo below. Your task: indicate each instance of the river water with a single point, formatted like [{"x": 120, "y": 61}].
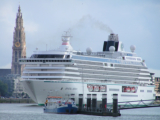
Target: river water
[{"x": 33, "y": 112}]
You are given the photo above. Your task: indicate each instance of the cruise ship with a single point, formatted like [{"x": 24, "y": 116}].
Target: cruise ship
[{"x": 66, "y": 72}]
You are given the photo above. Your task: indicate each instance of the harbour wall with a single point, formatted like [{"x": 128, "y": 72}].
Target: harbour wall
[{"x": 16, "y": 100}]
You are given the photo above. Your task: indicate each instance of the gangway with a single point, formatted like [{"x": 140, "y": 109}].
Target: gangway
[{"x": 136, "y": 104}]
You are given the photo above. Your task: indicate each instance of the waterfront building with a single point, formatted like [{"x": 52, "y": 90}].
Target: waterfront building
[
  {"x": 19, "y": 44},
  {"x": 4, "y": 72},
  {"x": 13, "y": 83}
]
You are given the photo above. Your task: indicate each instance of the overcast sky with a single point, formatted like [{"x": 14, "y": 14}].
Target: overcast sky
[{"x": 137, "y": 22}]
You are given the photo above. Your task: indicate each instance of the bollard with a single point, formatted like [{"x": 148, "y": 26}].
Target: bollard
[
  {"x": 115, "y": 105},
  {"x": 104, "y": 102},
  {"x": 80, "y": 101},
  {"x": 94, "y": 102},
  {"x": 88, "y": 101}
]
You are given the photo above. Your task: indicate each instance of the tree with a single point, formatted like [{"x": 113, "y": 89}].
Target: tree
[
  {"x": 22, "y": 94},
  {"x": 3, "y": 89}
]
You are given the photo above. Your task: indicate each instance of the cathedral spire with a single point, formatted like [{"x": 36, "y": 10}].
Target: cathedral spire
[
  {"x": 19, "y": 9},
  {"x": 19, "y": 14},
  {"x": 19, "y": 44}
]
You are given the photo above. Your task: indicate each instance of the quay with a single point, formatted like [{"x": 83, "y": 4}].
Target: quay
[
  {"x": 99, "y": 112},
  {"x": 111, "y": 109},
  {"x": 16, "y": 100},
  {"x": 92, "y": 109}
]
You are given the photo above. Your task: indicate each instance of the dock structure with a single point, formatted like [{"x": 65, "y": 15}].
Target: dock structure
[
  {"x": 92, "y": 109},
  {"x": 140, "y": 104},
  {"x": 111, "y": 109}
]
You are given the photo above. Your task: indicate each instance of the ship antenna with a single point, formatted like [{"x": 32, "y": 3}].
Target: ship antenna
[{"x": 66, "y": 32}]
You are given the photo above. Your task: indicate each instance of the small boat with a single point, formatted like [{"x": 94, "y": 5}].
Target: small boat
[{"x": 55, "y": 104}]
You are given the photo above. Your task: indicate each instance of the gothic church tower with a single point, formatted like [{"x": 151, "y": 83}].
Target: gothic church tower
[{"x": 19, "y": 44}]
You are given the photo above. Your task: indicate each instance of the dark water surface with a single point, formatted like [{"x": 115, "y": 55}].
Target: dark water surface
[{"x": 33, "y": 112}]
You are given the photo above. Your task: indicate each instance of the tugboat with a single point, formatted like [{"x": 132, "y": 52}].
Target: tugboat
[{"x": 55, "y": 104}]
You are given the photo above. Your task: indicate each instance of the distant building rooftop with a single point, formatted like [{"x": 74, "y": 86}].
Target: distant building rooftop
[{"x": 4, "y": 72}]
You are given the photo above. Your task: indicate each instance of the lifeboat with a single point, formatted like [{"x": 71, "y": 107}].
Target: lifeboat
[
  {"x": 96, "y": 88},
  {"x": 90, "y": 88},
  {"x": 133, "y": 89},
  {"x": 124, "y": 89},
  {"x": 102, "y": 88},
  {"x": 128, "y": 89}
]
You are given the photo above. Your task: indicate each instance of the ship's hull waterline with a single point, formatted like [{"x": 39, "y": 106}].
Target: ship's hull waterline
[{"x": 38, "y": 90}]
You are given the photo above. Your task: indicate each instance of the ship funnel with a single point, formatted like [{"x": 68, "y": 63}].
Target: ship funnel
[
  {"x": 113, "y": 40},
  {"x": 113, "y": 37}
]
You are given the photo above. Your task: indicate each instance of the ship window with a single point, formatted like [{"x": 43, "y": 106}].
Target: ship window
[
  {"x": 105, "y": 60},
  {"x": 67, "y": 56},
  {"x": 105, "y": 64},
  {"x": 149, "y": 91},
  {"x": 112, "y": 89},
  {"x": 129, "y": 95},
  {"x": 47, "y": 56}
]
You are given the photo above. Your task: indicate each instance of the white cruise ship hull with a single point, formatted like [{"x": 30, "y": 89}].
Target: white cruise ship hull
[
  {"x": 38, "y": 90},
  {"x": 67, "y": 73}
]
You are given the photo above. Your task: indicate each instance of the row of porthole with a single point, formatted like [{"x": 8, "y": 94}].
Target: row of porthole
[{"x": 44, "y": 61}]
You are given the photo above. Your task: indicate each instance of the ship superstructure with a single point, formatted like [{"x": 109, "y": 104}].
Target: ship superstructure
[{"x": 67, "y": 72}]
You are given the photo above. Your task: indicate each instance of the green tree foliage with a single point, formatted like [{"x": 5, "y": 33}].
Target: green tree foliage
[
  {"x": 3, "y": 89},
  {"x": 22, "y": 94}
]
